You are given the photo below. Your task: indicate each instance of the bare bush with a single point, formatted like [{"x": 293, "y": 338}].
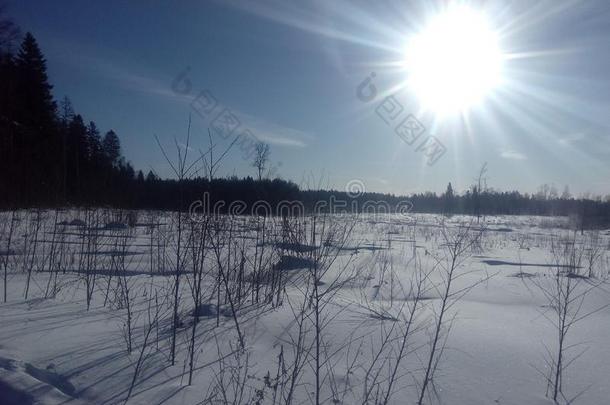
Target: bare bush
[
  {"x": 8, "y": 231},
  {"x": 458, "y": 244},
  {"x": 566, "y": 291}
]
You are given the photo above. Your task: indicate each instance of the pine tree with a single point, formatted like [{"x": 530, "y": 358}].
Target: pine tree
[
  {"x": 111, "y": 145},
  {"x": 77, "y": 153},
  {"x": 476, "y": 202},
  {"x": 66, "y": 111},
  {"x": 448, "y": 200},
  {"x": 94, "y": 144},
  {"x": 151, "y": 177},
  {"x": 95, "y": 170},
  {"x": 33, "y": 120},
  {"x": 37, "y": 108}
]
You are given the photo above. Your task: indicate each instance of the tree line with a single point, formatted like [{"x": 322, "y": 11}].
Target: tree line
[{"x": 51, "y": 156}]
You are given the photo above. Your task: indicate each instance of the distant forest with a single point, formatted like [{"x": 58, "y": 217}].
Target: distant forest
[{"x": 51, "y": 156}]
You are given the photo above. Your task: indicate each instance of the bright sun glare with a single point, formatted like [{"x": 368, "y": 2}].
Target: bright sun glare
[{"x": 454, "y": 62}]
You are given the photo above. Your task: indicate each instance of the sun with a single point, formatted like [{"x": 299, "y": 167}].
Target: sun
[{"x": 454, "y": 62}]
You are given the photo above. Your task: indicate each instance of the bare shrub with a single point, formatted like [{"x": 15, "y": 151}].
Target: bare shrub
[
  {"x": 7, "y": 232},
  {"x": 458, "y": 243},
  {"x": 566, "y": 291}
]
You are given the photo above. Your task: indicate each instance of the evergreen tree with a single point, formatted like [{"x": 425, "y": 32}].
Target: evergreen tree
[
  {"x": 37, "y": 171},
  {"x": 77, "y": 158},
  {"x": 151, "y": 177},
  {"x": 448, "y": 200},
  {"x": 111, "y": 146},
  {"x": 94, "y": 143},
  {"x": 37, "y": 108},
  {"x": 476, "y": 202},
  {"x": 66, "y": 111}
]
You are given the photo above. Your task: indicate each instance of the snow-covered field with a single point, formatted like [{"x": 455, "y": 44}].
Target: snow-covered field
[{"x": 99, "y": 282}]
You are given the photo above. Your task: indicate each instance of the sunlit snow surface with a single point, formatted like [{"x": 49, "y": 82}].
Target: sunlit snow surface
[{"x": 54, "y": 351}]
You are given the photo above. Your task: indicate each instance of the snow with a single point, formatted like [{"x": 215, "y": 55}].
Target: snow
[{"x": 53, "y": 350}]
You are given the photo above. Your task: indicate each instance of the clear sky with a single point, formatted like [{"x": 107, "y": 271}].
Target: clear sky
[{"x": 290, "y": 72}]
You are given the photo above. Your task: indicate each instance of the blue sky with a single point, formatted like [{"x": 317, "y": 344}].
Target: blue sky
[{"x": 290, "y": 70}]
